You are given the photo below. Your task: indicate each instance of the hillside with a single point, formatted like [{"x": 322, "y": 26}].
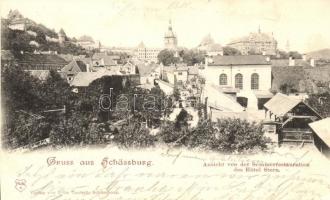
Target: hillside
[
  {"x": 319, "y": 54},
  {"x": 22, "y": 34}
]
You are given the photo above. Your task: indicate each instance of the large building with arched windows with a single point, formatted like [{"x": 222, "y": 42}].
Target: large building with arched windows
[{"x": 246, "y": 76}]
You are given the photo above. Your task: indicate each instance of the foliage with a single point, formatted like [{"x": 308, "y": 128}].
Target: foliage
[
  {"x": 286, "y": 55},
  {"x": 321, "y": 103},
  {"x": 191, "y": 57},
  {"x": 236, "y": 135},
  {"x": 225, "y": 135},
  {"x": 288, "y": 88},
  {"x": 17, "y": 40},
  {"x": 167, "y": 57},
  {"x": 181, "y": 120},
  {"x": 134, "y": 135},
  {"x": 230, "y": 51}
]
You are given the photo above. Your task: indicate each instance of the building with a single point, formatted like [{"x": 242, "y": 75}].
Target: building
[
  {"x": 210, "y": 47},
  {"x": 17, "y": 21},
  {"x": 148, "y": 72},
  {"x": 256, "y": 43},
  {"x": 146, "y": 54},
  {"x": 249, "y": 75},
  {"x": 61, "y": 36},
  {"x": 179, "y": 74},
  {"x": 104, "y": 60},
  {"x": 292, "y": 117},
  {"x": 170, "y": 39},
  {"x": 88, "y": 43},
  {"x": 73, "y": 68},
  {"x": 321, "y": 135}
]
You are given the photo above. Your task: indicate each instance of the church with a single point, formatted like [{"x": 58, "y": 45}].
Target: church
[{"x": 246, "y": 78}]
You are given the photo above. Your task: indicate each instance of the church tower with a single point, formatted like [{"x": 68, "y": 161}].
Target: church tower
[{"x": 170, "y": 40}]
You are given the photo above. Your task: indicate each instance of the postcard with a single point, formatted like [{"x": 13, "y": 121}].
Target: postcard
[{"x": 165, "y": 100}]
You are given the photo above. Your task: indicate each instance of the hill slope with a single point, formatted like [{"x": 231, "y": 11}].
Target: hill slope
[{"x": 320, "y": 54}]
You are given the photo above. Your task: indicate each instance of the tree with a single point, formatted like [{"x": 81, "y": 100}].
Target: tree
[
  {"x": 295, "y": 55},
  {"x": 320, "y": 102},
  {"x": 230, "y": 51},
  {"x": 288, "y": 88},
  {"x": 236, "y": 135},
  {"x": 191, "y": 57},
  {"x": 181, "y": 120},
  {"x": 167, "y": 57}
]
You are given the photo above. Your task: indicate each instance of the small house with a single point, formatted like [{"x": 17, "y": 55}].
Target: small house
[
  {"x": 321, "y": 135},
  {"x": 292, "y": 117}
]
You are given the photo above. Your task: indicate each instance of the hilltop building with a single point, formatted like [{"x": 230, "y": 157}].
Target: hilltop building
[
  {"x": 88, "y": 43},
  {"x": 17, "y": 21},
  {"x": 256, "y": 43},
  {"x": 210, "y": 47}
]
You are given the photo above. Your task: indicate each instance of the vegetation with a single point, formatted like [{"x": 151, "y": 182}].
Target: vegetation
[
  {"x": 167, "y": 57},
  {"x": 321, "y": 103},
  {"x": 230, "y": 51},
  {"x": 226, "y": 135},
  {"x": 17, "y": 40}
]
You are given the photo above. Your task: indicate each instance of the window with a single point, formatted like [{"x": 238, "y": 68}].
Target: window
[
  {"x": 254, "y": 81},
  {"x": 180, "y": 73},
  {"x": 239, "y": 81},
  {"x": 223, "y": 79}
]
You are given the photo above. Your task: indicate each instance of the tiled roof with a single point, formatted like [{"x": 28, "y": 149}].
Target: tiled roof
[
  {"x": 75, "y": 66},
  {"x": 109, "y": 60},
  {"x": 322, "y": 129},
  {"x": 83, "y": 79},
  {"x": 146, "y": 69},
  {"x": 193, "y": 70},
  {"x": 285, "y": 63},
  {"x": 281, "y": 104},
  {"x": 66, "y": 57},
  {"x": 40, "y": 59},
  {"x": 239, "y": 60}
]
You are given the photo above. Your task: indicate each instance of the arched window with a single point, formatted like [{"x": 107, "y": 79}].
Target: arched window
[
  {"x": 239, "y": 81},
  {"x": 223, "y": 79},
  {"x": 254, "y": 81}
]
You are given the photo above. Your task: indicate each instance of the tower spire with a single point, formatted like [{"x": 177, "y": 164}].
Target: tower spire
[
  {"x": 170, "y": 25},
  {"x": 259, "y": 30}
]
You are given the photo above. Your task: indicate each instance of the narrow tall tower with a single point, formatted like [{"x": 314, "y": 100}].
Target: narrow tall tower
[
  {"x": 61, "y": 36},
  {"x": 170, "y": 40}
]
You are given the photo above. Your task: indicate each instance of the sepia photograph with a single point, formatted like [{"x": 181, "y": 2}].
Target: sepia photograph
[{"x": 165, "y": 100}]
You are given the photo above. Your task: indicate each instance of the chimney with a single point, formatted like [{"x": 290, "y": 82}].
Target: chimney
[
  {"x": 304, "y": 57},
  {"x": 312, "y": 62},
  {"x": 291, "y": 61}
]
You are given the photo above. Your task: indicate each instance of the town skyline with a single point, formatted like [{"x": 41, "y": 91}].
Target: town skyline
[{"x": 127, "y": 23}]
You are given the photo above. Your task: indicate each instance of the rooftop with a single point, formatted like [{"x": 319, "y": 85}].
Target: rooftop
[
  {"x": 322, "y": 129},
  {"x": 281, "y": 104},
  {"x": 40, "y": 59},
  {"x": 239, "y": 60}
]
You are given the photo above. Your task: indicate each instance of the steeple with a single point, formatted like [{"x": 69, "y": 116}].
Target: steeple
[
  {"x": 170, "y": 39},
  {"x": 259, "y": 30},
  {"x": 170, "y": 25}
]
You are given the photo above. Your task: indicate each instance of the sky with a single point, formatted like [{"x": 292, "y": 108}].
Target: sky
[{"x": 304, "y": 23}]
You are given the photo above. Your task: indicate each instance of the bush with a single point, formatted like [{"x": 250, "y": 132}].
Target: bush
[{"x": 226, "y": 135}]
